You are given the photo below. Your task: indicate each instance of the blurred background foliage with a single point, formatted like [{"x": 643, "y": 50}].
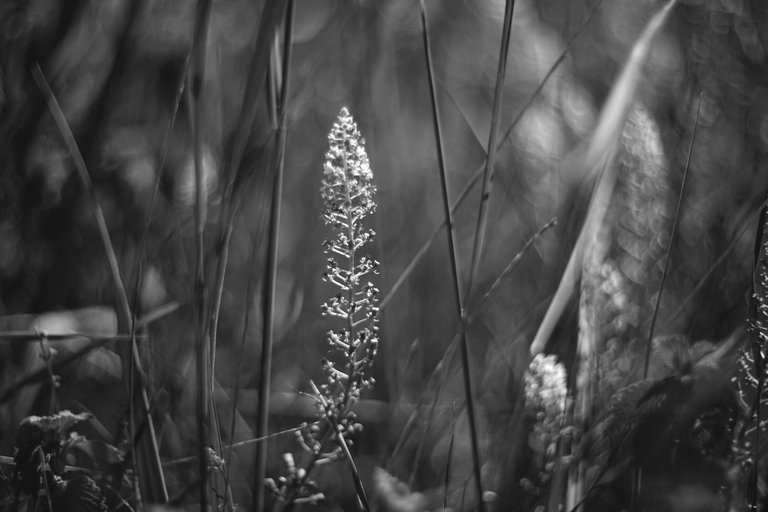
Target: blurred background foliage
[{"x": 116, "y": 67}]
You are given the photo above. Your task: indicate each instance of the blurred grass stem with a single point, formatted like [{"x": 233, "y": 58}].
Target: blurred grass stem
[
  {"x": 199, "y": 51},
  {"x": 265, "y": 369}
]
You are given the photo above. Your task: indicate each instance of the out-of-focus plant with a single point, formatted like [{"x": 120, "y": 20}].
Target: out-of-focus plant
[
  {"x": 546, "y": 404},
  {"x": 40, "y": 479},
  {"x": 348, "y": 197}
]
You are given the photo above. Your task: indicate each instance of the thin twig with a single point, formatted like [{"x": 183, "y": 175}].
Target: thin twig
[
  {"x": 240, "y": 444},
  {"x": 511, "y": 266}
]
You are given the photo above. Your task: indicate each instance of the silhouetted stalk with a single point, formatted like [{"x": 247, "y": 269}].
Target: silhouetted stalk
[{"x": 262, "y": 417}]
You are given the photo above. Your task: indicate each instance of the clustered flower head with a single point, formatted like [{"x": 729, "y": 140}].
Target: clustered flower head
[
  {"x": 546, "y": 403},
  {"x": 348, "y": 198},
  {"x": 347, "y": 191}
]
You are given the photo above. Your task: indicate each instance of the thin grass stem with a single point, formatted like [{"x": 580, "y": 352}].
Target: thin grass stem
[
  {"x": 675, "y": 225},
  {"x": 467, "y": 379}
]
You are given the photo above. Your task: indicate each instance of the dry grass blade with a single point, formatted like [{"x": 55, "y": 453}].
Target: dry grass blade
[
  {"x": 85, "y": 180},
  {"x": 152, "y": 478},
  {"x": 599, "y": 152},
  {"x": 675, "y": 225},
  {"x": 265, "y": 370}
]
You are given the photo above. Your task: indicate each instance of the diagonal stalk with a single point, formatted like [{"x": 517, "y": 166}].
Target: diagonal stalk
[{"x": 154, "y": 471}]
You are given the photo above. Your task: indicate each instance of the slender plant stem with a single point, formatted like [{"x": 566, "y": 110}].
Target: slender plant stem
[
  {"x": 482, "y": 217},
  {"x": 453, "y": 258},
  {"x": 477, "y": 248},
  {"x": 510, "y": 266},
  {"x": 199, "y": 50},
  {"x": 262, "y": 425},
  {"x": 676, "y": 223},
  {"x": 361, "y": 496}
]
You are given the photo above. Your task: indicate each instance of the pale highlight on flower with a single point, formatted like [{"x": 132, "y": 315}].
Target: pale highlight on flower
[
  {"x": 546, "y": 403},
  {"x": 348, "y": 198}
]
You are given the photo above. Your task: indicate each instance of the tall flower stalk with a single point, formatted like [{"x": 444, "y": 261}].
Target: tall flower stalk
[
  {"x": 348, "y": 198},
  {"x": 347, "y": 190}
]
